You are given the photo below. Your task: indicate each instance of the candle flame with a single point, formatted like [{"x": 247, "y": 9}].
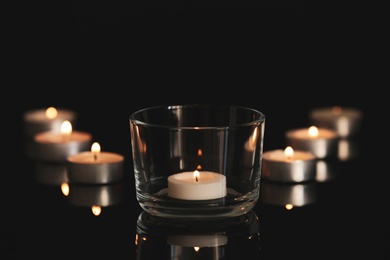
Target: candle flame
[
  {"x": 199, "y": 167},
  {"x": 196, "y": 175},
  {"x": 51, "y": 112},
  {"x": 200, "y": 153},
  {"x": 96, "y": 210},
  {"x": 95, "y": 149},
  {"x": 289, "y": 152},
  {"x": 289, "y": 206},
  {"x": 313, "y": 131},
  {"x": 196, "y": 248},
  {"x": 66, "y": 128}
]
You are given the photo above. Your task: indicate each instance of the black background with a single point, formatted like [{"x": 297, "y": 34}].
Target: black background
[{"x": 106, "y": 59}]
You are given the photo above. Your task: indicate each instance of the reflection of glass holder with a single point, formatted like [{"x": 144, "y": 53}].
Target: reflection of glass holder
[
  {"x": 51, "y": 173},
  {"x": 95, "y": 195},
  {"x": 160, "y": 238},
  {"x": 284, "y": 194}
]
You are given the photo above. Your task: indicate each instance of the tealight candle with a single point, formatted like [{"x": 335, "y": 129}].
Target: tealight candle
[
  {"x": 289, "y": 165},
  {"x": 197, "y": 185},
  {"x": 49, "y": 119},
  {"x": 56, "y": 147},
  {"x": 346, "y": 121},
  {"x": 322, "y": 142},
  {"x": 95, "y": 166}
]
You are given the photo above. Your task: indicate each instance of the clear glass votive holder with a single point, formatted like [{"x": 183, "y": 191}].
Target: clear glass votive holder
[{"x": 197, "y": 161}]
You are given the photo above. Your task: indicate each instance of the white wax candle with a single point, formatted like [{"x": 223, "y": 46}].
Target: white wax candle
[
  {"x": 49, "y": 119},
  {"x": 196, "y": 185},
  {"x": 289, "y": 165},
  {"x": 95, "y": 166}
]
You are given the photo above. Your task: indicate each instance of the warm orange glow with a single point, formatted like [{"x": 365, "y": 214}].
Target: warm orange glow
[
  {"x": 289, "y": 206},
  {"x": 199, "y": 167},
  {"x": 200, "y": 153},
  {"x": 196, "y": 248},
  {"x": 51, "y": 112},
  {"x": 66, "y": 128},
  {"x": 313, "y": 131},
  {"x": 96, "y": 210},
  {"x": 65, "y": 188},
  {"x": 289, "y": 152}
]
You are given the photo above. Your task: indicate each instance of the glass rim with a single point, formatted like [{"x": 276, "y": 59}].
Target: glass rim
[{"x": 258, "y": 120}]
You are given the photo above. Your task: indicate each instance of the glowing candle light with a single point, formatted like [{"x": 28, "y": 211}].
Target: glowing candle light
[
  {"x": 49, "y": 119},
  {"x": 95, "y": 166},
  {"x": 321, "y": 142},
  {"x": 197, "y": 185},
  {"x": 289, "y": 165},
  {"x": 346, "y": 121},
  {"x": 57, "y": 146}
]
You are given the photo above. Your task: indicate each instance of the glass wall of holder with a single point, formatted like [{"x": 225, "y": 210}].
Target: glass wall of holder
[{"x": 197, "y": 161}]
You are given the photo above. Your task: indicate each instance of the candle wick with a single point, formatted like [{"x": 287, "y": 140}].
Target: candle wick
[
  {"x": 95, "y": 157},
  {"x": 196, "y": 178}
]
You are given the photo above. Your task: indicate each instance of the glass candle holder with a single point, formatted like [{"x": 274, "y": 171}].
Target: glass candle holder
[{"x": 197, "y": 161}]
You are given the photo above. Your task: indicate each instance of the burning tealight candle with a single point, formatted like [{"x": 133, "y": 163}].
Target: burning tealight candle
[
  {"x": 289, "y": 165},
  {"x": 322, "y": 142},
  {"x": 95, "y": 166},
  {"x": 197, "y": 185},
  {"x": 56, "y": 147},
  {"x": 49, "y": 119},
  {"x": 345, "y": 121}
]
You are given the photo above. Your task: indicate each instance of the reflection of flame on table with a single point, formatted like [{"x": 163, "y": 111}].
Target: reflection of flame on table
[
  {"x": 197, "y": 239},
  {"x": 93, "y": 196},
  {"x": 326, "y": 170},
  {"x": 288, "y": 195},
  {"x": 51, "y": 173},
  {"x": 347, "y": 149}
]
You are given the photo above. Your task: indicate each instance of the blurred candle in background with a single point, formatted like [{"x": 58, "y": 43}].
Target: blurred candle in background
[
  {"x": 322, "y": 142},
  {"x": 52, "y": 146},
  {"x": 346, "y": 121},
  {"x": 49, "y": 119}
]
